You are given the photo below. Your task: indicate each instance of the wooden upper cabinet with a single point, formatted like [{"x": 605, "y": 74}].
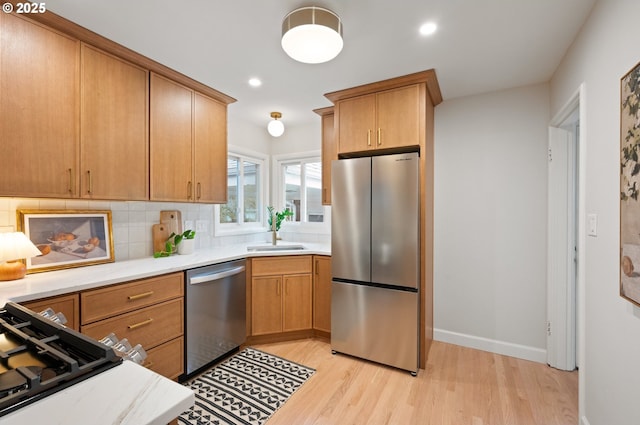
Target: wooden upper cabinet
[
  {"x": 170, "y": 140},
  {"x": 39, "y": 107},
  {"x": 114, "y": 123},
  {"x": 378, "y": 121},
  {"x": 210, "y": 150},
  {"x": 188, "y": 144},
  {"x": 357, "y": 124},
  {"x": 329, "y": 151},
  {"x": 400, "y": 117},
  {"x": 388, "y": 115}
]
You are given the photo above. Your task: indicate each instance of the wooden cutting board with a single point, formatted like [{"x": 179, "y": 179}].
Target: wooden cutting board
[
  {"x": 160, "y": 234},
  {"x": 173, "y": 220}
]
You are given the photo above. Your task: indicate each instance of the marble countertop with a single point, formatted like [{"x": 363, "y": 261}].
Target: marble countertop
[
  {"x": 48, "y": 284},
  {"x": 127, "y": 394}
]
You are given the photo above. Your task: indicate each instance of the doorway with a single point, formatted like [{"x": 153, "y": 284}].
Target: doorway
[{"x": 565, "y": 236}]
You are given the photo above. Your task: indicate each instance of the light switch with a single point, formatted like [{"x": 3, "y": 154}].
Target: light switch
[{"x": 592, "y": 224}]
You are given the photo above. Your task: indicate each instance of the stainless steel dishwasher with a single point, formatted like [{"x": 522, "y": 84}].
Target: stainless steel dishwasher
[{"x": 215, "y": 315}]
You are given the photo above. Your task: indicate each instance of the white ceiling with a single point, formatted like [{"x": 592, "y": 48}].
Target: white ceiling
[{"x": 480, "y": 45}]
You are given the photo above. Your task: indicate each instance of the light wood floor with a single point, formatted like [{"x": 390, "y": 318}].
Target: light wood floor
[{"x": 460, "y": 386}]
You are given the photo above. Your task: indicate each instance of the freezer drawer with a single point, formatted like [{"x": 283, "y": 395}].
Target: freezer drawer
[{"x": 376, "y": 324}]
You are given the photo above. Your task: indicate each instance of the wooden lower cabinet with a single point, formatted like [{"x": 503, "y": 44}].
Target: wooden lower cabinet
[
  {"x": 281, "y": 295},
  {"x": 68, "y": 305},
  {"x": 150, "y": 326},
  {"x": 167, "y": 359},
  {"x": 149, "y": 312},
  {"x": 322, "y": 294}
]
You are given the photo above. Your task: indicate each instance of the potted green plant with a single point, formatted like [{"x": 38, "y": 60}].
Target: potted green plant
[
  {"x": 280, "y": 217},
  {"x": 182, "y": 243}
]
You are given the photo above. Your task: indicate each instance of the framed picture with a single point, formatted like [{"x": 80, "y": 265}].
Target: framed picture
[
  {"x": 67, "y": 238},
  {"x": 630, "y": 185}
]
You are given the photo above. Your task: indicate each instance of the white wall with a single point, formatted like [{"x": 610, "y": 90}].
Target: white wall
[
  {"x": 605, "y": 50},
  {"x": 490, "y": 221}
]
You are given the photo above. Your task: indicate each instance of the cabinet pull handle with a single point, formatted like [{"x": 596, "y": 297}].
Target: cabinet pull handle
[
  {"x": 278, "y": 288},
  {"x": 90, "y": 190},
  {"x": 70, "y": 180},
  {"x": 369, "y": 137},
  {"x": 379, "y": 137},
  {"x": 317, "y": 265},
  {"x": 138, "y": 296},
  {"x": 198, "y": 190},
  {"x": 148, "y": 365},
  {"x": 189, "y": 187},
  {"x": 137, "y": 325}
]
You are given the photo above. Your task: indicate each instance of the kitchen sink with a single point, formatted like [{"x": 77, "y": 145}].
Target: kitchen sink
[{"x": 275, "y": 248}]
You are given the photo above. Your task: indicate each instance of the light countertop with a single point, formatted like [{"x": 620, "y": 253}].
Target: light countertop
[
  {"x": 59, "y": 282},
  {"x": 127, "y": 394}
]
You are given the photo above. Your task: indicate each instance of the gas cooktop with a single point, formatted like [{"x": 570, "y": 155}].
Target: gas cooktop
[{"x": 39, "y": 357}]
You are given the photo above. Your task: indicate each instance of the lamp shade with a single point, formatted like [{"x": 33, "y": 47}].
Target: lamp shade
[
  {"x": 312, "y": 35},
  {"x": 275, "y": 127},
  {"x": 16, "y": 246}
]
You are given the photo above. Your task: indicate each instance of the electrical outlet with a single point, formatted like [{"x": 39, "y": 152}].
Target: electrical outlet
[
  {"x": 592, "y": 225},
  {"x": 202, "y": 226}
]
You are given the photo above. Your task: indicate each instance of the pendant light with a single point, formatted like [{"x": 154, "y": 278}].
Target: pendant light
[
  {"x": 275, "y": 127},
  {"x": 312, "y": 35}
]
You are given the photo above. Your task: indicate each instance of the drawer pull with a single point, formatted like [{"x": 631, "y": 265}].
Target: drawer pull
[
  {"x": 138, "y": 296},
  {"x": 137, "y": 325},
  {"x": 148, "y": 365}
]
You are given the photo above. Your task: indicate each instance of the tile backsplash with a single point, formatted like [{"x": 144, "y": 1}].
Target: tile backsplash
[{"x": 132, "y": 222}]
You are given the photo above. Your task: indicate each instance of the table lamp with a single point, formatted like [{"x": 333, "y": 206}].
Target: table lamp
[{"x": 15, "y": 246}]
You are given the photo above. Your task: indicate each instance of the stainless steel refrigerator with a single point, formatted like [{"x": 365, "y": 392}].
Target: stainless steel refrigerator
[{"x": 375, "y": 258}]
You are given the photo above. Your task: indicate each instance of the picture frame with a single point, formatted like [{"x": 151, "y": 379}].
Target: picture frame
[
  {"x": 67, "y": 238},
  {"x": 630, "y": 185}
]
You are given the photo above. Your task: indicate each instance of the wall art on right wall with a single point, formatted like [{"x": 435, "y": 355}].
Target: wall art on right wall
[{"x": 630, "y": 185}]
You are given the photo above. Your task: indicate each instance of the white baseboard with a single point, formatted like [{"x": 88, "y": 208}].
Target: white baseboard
[
  {"x": 493, "y": 346},
  {"x": 584, "y": 421}
]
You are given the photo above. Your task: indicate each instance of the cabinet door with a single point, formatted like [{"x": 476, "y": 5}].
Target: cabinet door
[
  {"x": 210, "y": 150},
  {"x": 266, "y": 305},
  {"x": 322, "y": 293},
  {"x": 114, "y": 128},
  {"x": 170, "y": 141},
  {"x": 356, "y": 124},
  {"x": 39, "y": 81},
  {"x": 68, "y": 305},
  {"x": 398, "y": 117},
  {"x": 329, "y": 153},
  {"x": 297, "y": 302}
]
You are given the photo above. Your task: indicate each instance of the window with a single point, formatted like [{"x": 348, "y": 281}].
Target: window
[
  {"x": 301, "y": 181},
  {"x": 245, "y": 188}
]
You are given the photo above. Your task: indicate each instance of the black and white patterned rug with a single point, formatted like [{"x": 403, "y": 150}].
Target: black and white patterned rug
[{"x": 245, "y": 389}]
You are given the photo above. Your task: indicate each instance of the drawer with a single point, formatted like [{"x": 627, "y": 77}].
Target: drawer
[
  {"x": 67, "y": 304},
  {"x": 150, "y": 326},
  {"x": 106, "y": 302},
  {"x": 167, "y": 359},
  {"x": 269, "y": 266}
]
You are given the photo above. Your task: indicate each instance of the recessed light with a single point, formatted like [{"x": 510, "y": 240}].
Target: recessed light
[
  {"x": 255, "y": 82},
  {"x": 428, "y": 28}
]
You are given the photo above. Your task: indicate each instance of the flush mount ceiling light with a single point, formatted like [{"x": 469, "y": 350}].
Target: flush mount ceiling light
[
  {"x": 275, "y": 127},
  {"x": 312, "y": 35}
]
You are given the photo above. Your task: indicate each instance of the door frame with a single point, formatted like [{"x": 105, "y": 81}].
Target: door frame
[{"x": 577, "y": 102}]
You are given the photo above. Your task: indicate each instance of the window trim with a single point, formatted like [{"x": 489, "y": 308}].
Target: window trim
[
  {"x": 278, "y": 190},
  {"x": 222, "y": 229}
]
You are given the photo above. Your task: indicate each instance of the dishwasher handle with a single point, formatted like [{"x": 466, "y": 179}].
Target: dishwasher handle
[{"x": 209, "y": 277}]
